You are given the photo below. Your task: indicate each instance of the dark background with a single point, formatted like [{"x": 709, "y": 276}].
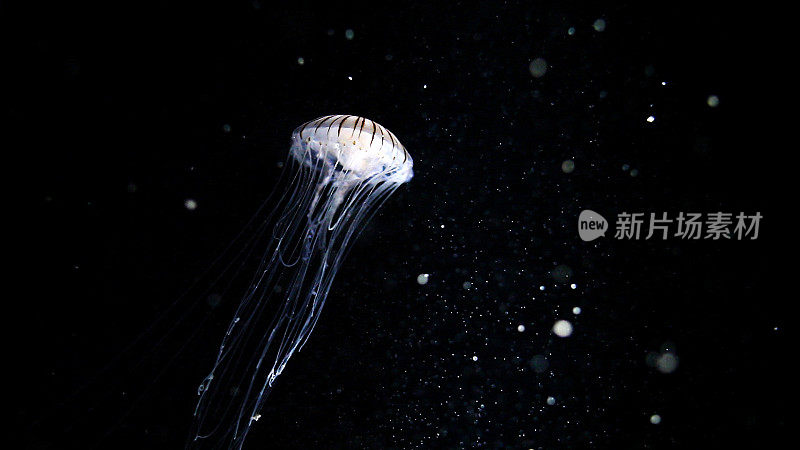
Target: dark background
[{"x": 119, "y": 113}]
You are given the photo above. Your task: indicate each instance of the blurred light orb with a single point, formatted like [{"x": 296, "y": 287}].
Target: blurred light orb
[
  {"x": 562, "y": 328},
  {"x": 539, "y": 364},
  {"x": 667, "y": 362},
  {"x": 538, "y": 67},
  {"x": 599, "y": 25}
]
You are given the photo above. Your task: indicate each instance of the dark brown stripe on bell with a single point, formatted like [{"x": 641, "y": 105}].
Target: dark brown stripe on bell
[{"x": 339, "y": 132}]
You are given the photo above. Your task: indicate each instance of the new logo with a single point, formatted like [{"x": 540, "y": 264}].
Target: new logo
[{"x": 591, "y": 225}]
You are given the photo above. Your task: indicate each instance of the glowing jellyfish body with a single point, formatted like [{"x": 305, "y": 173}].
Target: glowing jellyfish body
[{"x": 342, "y": 168}]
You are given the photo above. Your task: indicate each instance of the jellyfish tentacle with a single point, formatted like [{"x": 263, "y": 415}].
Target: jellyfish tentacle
[{"x": 336, "y": 187}]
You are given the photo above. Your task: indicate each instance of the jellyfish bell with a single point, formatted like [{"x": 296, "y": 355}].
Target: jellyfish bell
[
  {"x": 355, "y": 146},
  {"x": 342, "y": 169}
]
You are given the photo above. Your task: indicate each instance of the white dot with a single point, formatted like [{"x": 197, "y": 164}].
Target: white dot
[
  {"x": 350, "y": 78},
  {"x": 521, "y": 328},
  {"x": 541, "y": 288},
  {"x": 571, "y": 31},
  {"x": 573, "y": 286},
  {"x": 576, "y": 310},
  {"x": 562, "y": 328},
  {"x": 551, "y": 401},
  {"x": 655, "y": 419},
  {"x": 651, "y": 119},
  {"x": 190, "y": 204},
  {"x": 423, "y": 278},
  {"x": 474, "y": 358}
]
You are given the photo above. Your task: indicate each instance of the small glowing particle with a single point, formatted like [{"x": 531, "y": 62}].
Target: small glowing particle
[
  {"x": 573, "y": 286},
  {"x": 541, "y": 288},
  {"x": 562, "y": 328},
  {"x": 521, "y": 328},
  {"x": 348, "y": 33},
  {"x": 301, "y": 61},
  {"x": 651, "y": 119},
  {"x": 350, "y": 78},
  {"x": 538, "y": 67},
  {"x": 424, "y": 86},
  {"x": 626, "y": 167},
  {"x": 256, "y": 417},
  {"x": 576, "y": 310},
  {"x": 568, "y": 166},
  {"x": 475, "y": 358},
  {"x": 467, "y": 285},
  {"x": 551, "y": 401},
  {"x": 423, "y": 278},
  {"x": 634, "y": 172},
  {"x": 599, "y": 25},
  {"x": 713, "y": 101},
  {"x": 190, "y": 204},
  {"x": 655, "y": 419},
  {"x": 571, "y": 31}
]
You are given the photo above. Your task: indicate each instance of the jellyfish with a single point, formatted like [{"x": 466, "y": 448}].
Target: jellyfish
[{"x": 340, "y": 170}]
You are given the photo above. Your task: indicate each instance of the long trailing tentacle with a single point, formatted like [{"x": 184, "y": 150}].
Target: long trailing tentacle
[{"x": 311, "y": 237}]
